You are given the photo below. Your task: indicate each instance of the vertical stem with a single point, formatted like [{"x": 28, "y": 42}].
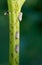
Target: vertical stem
[{"x": 14, "y": 7}]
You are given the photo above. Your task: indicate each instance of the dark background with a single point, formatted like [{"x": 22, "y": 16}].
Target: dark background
[{"x": 30, "y": 33}]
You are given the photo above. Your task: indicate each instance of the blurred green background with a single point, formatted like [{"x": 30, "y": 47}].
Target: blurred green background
[{"x": 30, "y": 33}]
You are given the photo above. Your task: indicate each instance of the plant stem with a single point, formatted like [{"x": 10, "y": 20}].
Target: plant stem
[{"x": 14, "y": 7}]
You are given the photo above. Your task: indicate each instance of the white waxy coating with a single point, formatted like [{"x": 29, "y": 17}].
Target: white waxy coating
[
  {"x": 20, "y": 16},
  {"x": 17, "y": 35},
  {"x": 17, "y": 48}
]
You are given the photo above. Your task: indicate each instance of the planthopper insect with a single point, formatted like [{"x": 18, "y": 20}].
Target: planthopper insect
[{"x": 19, "y": 16}]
